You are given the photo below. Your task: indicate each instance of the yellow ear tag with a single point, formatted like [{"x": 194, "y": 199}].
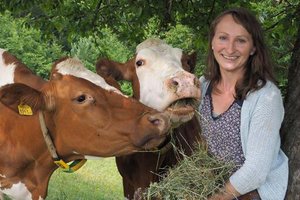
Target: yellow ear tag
[{"x": 25, "y": 110}]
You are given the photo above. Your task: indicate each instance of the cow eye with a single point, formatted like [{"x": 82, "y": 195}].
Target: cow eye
[
  {"x": 140, "y": 63},
  {"x": 81, "y": 98}
]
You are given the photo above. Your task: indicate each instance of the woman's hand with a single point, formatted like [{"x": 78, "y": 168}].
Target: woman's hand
[
  {"x": 221, "y": 196},
  {"x": 227, "y": 193}
]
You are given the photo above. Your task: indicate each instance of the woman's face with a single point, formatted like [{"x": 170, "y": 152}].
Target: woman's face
[{"x": 232, "y": 45}]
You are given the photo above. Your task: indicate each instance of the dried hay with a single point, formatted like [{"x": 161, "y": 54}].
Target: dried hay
[{"x": 196, "y": 177}]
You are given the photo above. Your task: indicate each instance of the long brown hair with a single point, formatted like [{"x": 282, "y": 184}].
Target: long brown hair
[{"x": 259, "y": 67}]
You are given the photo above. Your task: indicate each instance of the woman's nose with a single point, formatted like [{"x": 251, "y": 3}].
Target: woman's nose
[{"x": 230, "y": 48}]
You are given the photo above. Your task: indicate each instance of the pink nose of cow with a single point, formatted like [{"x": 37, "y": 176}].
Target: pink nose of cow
[
  {"x": 158, "y": 125},
  {"x": 185, "y": 84},
  {"x": 161, "y": 121}
]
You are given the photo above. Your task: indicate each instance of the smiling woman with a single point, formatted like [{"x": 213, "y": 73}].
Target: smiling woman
[
  {"x": 240, "y": 97},
  {"x": 232, "y": 45}
]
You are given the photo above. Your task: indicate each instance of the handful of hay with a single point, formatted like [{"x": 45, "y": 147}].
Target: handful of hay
[{"x": 196, "y": 177}]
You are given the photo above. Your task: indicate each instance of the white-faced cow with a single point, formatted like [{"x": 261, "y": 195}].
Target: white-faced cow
[
  {"x": 160, "y": 77},
  {"x": 70, "y": 117}
]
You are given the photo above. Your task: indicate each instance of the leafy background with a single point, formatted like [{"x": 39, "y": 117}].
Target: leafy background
[{"x": 41, "y": 31}]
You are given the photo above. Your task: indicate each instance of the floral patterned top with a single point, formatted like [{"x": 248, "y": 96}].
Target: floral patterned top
[{"x": 222, "y": 132}]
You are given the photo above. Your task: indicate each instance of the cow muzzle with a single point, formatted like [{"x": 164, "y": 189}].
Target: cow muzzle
[
  {"x": 186, "y": 93},
  {"x": 159, "y": 126}
]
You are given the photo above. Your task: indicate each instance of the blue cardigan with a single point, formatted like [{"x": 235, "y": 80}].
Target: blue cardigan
[{"x": 266, "y": 166}]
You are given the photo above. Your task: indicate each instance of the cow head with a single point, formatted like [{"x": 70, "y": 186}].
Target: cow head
[
  {"x": 85, "y": 116},
  {"x": 161, "y": 78}
]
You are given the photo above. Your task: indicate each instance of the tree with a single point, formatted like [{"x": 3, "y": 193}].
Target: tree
[{"x": 291, "y": 124}]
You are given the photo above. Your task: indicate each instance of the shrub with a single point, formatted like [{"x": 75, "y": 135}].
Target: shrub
[
  {"x": 106, "y": 44},
  {"x": 90, "y": 49},
  {"x": 28, "y": 45}
]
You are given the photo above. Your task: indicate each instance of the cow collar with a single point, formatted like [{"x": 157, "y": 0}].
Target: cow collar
[{"x": 74, "y": 166}]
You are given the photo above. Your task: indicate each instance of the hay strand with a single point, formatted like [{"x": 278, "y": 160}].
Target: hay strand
[{"x": 196, "y": 177}]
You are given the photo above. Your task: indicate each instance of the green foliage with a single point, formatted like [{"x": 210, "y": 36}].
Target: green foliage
[
  {"x": 181, "y": 36},
  {"x": 126, "y": 88},
  {"x": 90, "y": 49},
  {"x": 92, "y": 28},
  {"x": 26, "y": 44},
  {"x": 86, "y": 51},
  {"x": 279, "y": 23},
  {"x": 151, "y": 30}
]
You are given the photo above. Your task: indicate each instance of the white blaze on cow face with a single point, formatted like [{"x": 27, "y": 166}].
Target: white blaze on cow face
[
  {"x": 77, "y": 69},
  {"x": 161, "y": 76},
  {"x": 18, "y": 191},
  {"x": 6, "y": 71}
]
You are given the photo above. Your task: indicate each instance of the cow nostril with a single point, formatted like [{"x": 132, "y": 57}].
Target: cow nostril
[
  {"x": 175, "y": 83},
  {"x": 161, "y": 121}
]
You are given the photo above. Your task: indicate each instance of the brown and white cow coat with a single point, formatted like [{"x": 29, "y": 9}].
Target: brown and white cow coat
[
  {"x": 161, "y": 79},
  {"x": 13, "y": 70},
  {"x": 82, "y": 118}
]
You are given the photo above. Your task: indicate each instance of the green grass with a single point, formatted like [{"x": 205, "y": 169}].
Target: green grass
[{"x": 96, "y": 180}]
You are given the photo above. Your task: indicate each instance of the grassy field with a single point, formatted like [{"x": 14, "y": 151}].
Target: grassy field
[{"x": 96, "y": 180}]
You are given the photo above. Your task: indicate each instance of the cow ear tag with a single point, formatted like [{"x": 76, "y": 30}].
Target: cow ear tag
[
  {"x": 60, "y": 163},
  {"x": 74, "y": 166},
  {"x": 25, "y": 110}
]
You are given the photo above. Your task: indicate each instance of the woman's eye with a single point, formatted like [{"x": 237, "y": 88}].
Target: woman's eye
[
  {"x": 241, "y": 40},
  {"x": 139, "y": 63},
  {"x": 222, "y": 38},
  {"x": 81, "y": 98}
]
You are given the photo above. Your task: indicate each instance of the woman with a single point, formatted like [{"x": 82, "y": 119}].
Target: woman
[{"x": 242, "y": 109}]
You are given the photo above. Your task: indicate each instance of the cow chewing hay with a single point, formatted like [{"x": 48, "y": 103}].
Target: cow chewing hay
[{"x": 196, "y": 177}]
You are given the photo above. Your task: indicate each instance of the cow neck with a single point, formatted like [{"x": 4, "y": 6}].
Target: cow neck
[
  {"x": 163, "y": 148},
  {"x": 166, "y": 145},
  {"x": 74, "y": 166}
]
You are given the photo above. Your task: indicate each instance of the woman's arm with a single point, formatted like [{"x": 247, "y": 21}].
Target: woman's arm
[
  {"x": 261, "y": 147},
  {"x": 262, "y": 143},
  {"x": 227, "y": 193}
]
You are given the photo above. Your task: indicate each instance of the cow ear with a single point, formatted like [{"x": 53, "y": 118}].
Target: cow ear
[
  {"x": 21, "y": 98},
  {"x": 55, "y": 76},
  {"x": 115, "y": 70},
  {"x": 107, "y": 68},
  {"x": 189, "y": 61}
]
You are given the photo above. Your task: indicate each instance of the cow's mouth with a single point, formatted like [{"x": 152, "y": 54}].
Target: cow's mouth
[
  {"x": 182, "y": 110},
  {"x": 183, "y": 106}
]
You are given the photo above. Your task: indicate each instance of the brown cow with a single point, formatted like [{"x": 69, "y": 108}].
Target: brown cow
[
  {"x": 160, "y": 78},
  {"x": 80, "y": 118}
]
